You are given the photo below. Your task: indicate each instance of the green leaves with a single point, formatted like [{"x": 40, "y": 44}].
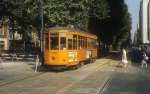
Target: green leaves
[
  {"x": 60, "y": 12},
  {"x": 108, "y": 19},
  {"x": 99, "y": 9},
  {"x": 120, "y": 21},
  {"x": 66, "y": 12}
]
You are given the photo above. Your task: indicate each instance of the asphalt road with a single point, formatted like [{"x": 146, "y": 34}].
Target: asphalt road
[
  {"x": 128, "y": 84},
  {"x": 132, "y": 80}
]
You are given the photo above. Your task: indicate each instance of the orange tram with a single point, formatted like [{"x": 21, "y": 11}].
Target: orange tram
[{"x": 68, "y": 47}]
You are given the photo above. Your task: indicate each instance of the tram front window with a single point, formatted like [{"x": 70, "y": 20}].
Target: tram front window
[{"x": 54, "y": 41}]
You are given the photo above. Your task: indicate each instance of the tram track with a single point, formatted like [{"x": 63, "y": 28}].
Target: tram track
[
  {"x": 19, "y": 80},
  {"x": 97, "y": 68},
  {"x": 105, "y": 85},
  {"x": 5, "y": 83}
]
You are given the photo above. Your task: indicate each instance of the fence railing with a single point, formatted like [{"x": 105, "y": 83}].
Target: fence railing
[{"x": 17, "y": 57}]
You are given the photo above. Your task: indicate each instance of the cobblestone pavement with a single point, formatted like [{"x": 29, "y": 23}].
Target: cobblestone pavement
[
  {"x": 102, "y": 77},
  {"x": 20, "y": 78}
]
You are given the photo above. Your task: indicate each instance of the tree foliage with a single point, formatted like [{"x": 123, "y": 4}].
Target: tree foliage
[
  {"x": 99, "y": 15},
  {"x": 108, "y": 19},
  {"x": 67, "y": 12},
  {"x": 120, "y": 22},
  {"x": 99, "y": 9}
]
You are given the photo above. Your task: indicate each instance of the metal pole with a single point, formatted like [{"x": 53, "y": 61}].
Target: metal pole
[{"x": 41, "y": 32}]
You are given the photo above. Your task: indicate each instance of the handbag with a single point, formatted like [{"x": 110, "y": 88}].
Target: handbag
[{"x": 146, "y": 57}]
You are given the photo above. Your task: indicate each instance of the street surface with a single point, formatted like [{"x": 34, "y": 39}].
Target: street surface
[
  {"x": 102, "y": 77},
  {"x": 134, "y": 80}
]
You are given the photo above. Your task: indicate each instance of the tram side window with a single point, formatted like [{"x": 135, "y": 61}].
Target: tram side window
[
  {"x": 85, "y": 42},
  {"x": 89, "y": 43},
  {"x": 82, "y": 38},
  {"x": 54, "y": 41},
  {"x": 74, "y": 42},
  {"x": 47, "y": 42},
  {"x": 70, "y": 37},
  {"x": 95, "y": 46},
  {"x": 82, "y": 42},
  {"x": 93, "y": 43},
  {"x": 79, "y": 44},
  {"x": 63, "y": 41}
]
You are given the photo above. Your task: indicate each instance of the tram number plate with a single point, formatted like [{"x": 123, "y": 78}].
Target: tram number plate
[
  {"x": 72, "y": 56},
  {"x": 88, "y": 54}
]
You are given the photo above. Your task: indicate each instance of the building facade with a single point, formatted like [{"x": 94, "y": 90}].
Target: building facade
[
  {"x": 4, "y": 40},
  {"x": 14, "y": 40},
  {"x": 149, "y": 20},
  {"x": 144, "y": 21}
]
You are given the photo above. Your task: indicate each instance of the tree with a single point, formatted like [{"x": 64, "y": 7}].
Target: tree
[
  {"x": 99, "y": 15},
  {"x": 108, "y": 19},
  {"x": 67, "y": 12},
  {"x": 120, "y": 23}
]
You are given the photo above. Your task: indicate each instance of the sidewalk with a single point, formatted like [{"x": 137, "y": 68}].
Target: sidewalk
[{"x": 16, "y": 65}]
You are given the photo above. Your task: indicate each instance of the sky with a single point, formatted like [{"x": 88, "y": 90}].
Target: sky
[{"x": 133, "y": 7}]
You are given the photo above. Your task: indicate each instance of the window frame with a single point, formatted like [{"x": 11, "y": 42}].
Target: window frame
[
  {"x": 60, "y": 37},
  {"x": 58, "y": 41}
]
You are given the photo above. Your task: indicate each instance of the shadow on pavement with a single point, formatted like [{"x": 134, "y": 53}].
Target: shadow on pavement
[
  {"x": 48, "y": 69},
  {"x": 114, "y": 55},
  {"x": 53, "y": 69}
]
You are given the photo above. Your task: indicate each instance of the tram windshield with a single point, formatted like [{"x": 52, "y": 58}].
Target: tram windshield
[{"x": 54, "y": 44}]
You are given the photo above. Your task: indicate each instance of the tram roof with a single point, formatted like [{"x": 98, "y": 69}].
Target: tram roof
[{"x": 67, "y": 29}]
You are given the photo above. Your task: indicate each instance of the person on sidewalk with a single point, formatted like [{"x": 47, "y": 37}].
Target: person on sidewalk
[
  {"x": 144, "y": 60},
  {"x": 124, "y": 58}
]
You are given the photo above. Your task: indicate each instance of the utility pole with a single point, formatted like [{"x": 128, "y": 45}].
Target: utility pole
[{"x": 41, "y": 32}]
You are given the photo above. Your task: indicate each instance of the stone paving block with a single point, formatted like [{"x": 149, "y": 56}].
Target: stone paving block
[{"x": 90, "y": 85}]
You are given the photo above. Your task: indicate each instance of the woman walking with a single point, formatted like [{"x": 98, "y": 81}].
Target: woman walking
[
  {"x": 124, "y": 58},
  {"x": 144, "y": 60}
]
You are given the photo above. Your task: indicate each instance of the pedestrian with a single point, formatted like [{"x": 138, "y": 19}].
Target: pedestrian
[
  {"x": 124, "y": 58},
  {"x": 144, "y": 60},
  {"x": 140, "y": 55},
  {"x": 36, "y": 63}
]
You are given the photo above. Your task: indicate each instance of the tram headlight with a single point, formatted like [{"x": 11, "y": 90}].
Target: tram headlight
[{"x": 53, "y": 57}]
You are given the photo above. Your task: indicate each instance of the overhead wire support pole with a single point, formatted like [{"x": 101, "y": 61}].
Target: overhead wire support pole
[
  {"x": 41, "y": 31},
  {"x": 42, "y": 23}
]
